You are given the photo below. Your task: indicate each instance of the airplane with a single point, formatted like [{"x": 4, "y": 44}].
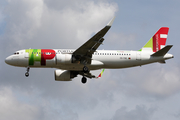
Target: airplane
[{"x": 70, "y": 62}]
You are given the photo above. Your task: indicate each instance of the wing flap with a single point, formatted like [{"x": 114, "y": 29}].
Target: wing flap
[{"x": 89, "y": 75}]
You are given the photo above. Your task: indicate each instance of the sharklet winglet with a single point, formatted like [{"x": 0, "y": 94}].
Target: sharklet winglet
[
  {"x": 111, "y": 22},
  {"x": 100, "y": 75}
]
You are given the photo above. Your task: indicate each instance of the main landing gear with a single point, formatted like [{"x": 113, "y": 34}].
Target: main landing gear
[
  {"x": 84, "y": 80},
  {"x": 85, "y": 70},
  {"x": 27, "y": 72}
]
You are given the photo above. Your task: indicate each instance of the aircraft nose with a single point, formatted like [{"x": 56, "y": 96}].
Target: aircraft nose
[{"x": 8, "y": 60}]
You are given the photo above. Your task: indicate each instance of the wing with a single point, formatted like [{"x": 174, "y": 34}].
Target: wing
[
  {"x": 89, "y": 75},
  {"x": 84, "y": 53}
]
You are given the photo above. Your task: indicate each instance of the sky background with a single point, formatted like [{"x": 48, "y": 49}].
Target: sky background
[{"x": 150, "y": 92}]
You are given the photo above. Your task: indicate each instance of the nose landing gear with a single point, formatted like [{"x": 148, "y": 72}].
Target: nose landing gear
[{"x": 27, "y": 72}]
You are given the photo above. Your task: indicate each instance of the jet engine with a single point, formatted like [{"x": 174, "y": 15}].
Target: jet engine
[{"x": 64, "y": 75}]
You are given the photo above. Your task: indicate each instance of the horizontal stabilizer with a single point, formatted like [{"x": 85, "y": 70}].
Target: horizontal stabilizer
[{"x": 163, "y": 51}]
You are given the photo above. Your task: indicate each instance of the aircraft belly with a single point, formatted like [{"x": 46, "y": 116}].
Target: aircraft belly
[{"x": 78, "y": 67}]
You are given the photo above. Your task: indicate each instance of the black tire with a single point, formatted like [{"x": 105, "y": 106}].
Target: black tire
[
  {"x": 85, "y": 69},
  {"x": 84, "y": 80},
  {"x": 26, "y": 74}
]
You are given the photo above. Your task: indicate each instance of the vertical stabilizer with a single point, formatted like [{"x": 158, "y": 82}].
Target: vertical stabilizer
[{"x": 158, "y": 41}]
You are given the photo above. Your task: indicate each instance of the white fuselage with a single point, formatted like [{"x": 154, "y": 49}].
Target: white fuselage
[{"x": 107, "y": 59}]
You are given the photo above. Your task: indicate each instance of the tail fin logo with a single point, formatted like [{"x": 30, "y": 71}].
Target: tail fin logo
[{"x": 158, "y": 41}]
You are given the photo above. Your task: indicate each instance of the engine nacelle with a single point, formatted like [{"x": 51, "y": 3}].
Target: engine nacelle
[
  {"x": 64, "y": 75},
  {"x": 63, "y": 58}
]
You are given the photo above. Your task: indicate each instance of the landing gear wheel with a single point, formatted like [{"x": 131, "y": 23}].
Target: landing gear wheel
[
  {"x": 84, "y": 80},
  {"x": 27, "y": 71},
  {"x": 85, "y": 69},
  {"x": 26, "y": 74}
]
